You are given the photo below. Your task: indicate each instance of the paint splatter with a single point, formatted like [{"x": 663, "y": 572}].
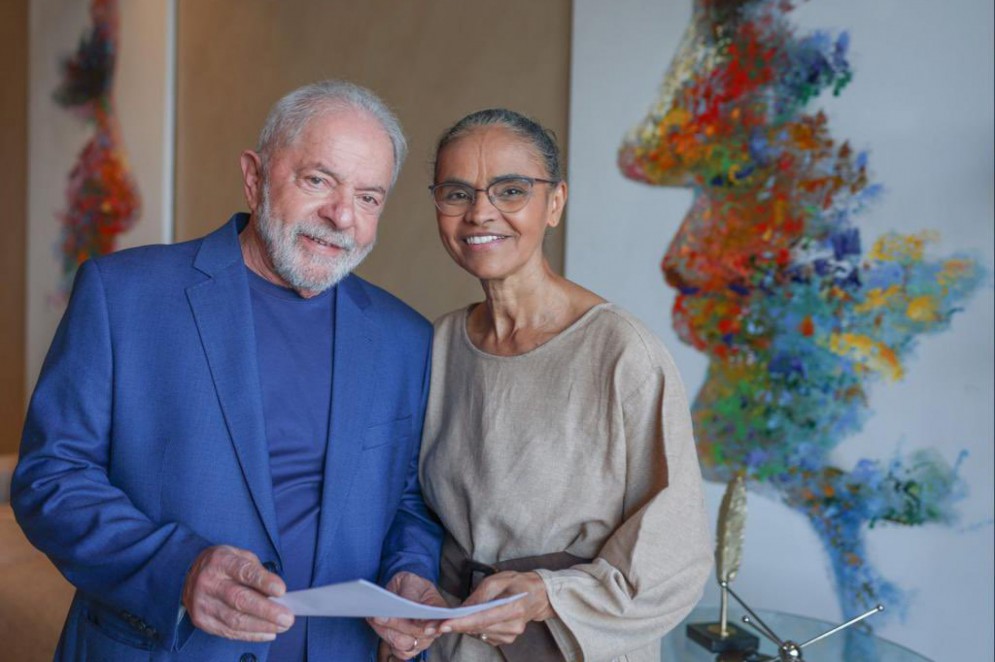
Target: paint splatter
[
  {"x": 774, "y": 283},
  {"x": 102, "y": 197}
]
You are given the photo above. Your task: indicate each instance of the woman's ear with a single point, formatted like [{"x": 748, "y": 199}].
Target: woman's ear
[{"x": 558, "y": 200}]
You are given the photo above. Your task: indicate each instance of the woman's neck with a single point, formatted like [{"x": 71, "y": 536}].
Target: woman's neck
[{"x": 525, "y": 311}]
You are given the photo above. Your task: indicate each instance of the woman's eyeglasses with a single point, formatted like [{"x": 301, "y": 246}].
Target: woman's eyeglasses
[{"x": 508, "y": 194}]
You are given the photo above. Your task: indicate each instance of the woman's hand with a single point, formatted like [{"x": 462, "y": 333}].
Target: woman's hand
[{"x": 502, "y": 625}]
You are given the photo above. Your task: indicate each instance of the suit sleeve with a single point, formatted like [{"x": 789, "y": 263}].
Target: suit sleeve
[
  {"x": 61, "y": 491},
  {"x": 651, "y": 571},
  {"x": 414, "y": 540}
]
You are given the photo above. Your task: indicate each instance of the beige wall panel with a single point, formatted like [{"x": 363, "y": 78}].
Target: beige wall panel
[
  {"x": 432, "y": 61},
  {"x": 13, "y": 184}
]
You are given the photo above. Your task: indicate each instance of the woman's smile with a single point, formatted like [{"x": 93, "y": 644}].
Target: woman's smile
[{"x": 480, "y": 241}]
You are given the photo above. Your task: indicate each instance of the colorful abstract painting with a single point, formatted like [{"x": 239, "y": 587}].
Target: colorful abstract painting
[
  {"x": 102, "y": 197},
  {"x": 797, "y": 313}
]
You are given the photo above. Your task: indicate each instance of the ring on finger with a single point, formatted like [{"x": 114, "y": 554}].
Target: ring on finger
[
  {"x": 414, "y": 645},
  {"x": 483, "y": 637}
]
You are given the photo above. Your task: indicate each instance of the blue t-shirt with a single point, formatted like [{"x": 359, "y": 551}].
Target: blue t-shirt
[{"x": 294, "y": 349}]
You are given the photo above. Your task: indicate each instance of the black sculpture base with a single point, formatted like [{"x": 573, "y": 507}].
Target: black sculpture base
[
  {"x": 742, "y": 656},
  {"x": 709, "y": 636}
]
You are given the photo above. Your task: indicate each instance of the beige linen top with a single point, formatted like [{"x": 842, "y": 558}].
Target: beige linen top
[{"x": 582, "y": 445}]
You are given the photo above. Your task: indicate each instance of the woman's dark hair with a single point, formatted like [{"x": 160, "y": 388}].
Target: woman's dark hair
[{"x": 541, "y": 138}]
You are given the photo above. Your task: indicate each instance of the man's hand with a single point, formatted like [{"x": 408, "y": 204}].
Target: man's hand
[
  {"x": 226, "y": 594},
  {"x": 502, "y": 625},
  {"x": 404, "y": 637}
]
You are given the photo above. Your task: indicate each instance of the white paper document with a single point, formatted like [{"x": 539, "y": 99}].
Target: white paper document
[{"x": 361, "y": 599}]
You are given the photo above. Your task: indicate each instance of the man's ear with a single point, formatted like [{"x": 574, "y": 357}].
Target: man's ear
[{"x": 252, "y": 178}]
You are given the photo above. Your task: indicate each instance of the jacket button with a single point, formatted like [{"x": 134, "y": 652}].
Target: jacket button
[
  {"x": 270, "y": 566},
  {"x": 247, "y": 657}
]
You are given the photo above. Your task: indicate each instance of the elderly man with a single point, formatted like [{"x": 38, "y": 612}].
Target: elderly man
[{"x": 222, "y": 420}]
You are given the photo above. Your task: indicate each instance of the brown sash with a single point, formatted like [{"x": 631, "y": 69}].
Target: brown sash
[{"x": 536, "y": 644}]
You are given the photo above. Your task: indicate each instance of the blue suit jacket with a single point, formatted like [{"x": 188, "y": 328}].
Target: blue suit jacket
[{"x": 144, "y": 444}]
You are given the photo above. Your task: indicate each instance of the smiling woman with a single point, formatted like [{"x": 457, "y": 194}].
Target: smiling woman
[
  {"x": 557, "y": 447},
  {"x": 499, "y": 235}
]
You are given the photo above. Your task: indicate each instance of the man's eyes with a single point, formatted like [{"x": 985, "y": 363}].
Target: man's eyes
[{"x": 319, "y": 182}]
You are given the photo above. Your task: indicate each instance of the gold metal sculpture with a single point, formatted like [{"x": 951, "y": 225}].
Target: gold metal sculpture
[
  {"x": 722, "y": 636},
  {"x": 729, "y": 541}
]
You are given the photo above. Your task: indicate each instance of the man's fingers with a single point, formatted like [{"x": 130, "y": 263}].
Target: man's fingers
[
  {"x": 244, "y": 609},
  {"x": 244, "y": 553},
  {"x": 241, "y": 622},
  {"x": 415, "y": 588},
  {"x": 400, "y": 642},
  {"x": 402, "y": 645},
  {"x": 246, "y": 569},
  {"x": 216, "y": 563},
  {"x": 214, "y": 616},
  {"x": 404, "y": 626},
  {"x": 435, "y": 599},
  {"x": 245, "y": 601}
]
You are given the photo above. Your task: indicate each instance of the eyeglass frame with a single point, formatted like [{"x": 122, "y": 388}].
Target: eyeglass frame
[{"x": 531, "y": 180}]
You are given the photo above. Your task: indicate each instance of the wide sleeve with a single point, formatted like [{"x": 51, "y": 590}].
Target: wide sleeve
[
  {"x": 414, "y": 540},
  {"x": 651, "y": 571},
  {"x": 61, "y": 492}
]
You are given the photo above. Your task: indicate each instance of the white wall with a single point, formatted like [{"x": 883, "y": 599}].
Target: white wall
[
  {"x": 921, "y": 102},
  {"x": 144, "y": 101}
]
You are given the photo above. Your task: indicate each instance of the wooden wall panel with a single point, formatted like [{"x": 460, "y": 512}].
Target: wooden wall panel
[{"x": 13, "y": 187}]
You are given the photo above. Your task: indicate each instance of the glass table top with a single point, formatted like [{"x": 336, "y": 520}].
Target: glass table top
[{"x": 851, "y": 645}]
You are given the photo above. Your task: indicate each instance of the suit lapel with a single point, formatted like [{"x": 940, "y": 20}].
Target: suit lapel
[
  {"x": 353, "y": 377},
  {"x": 223, "y": 314}
]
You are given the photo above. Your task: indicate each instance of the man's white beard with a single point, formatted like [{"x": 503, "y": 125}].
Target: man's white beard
[{"x": 303, "y": 272}]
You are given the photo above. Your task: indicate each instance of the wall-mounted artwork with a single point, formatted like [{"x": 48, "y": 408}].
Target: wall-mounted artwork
[
  {"x": 100, "y": 143},
  {"x": 798, "y": 302},
  {"x": 102, "y": 200},
  {"x": 777, "y": 287}
]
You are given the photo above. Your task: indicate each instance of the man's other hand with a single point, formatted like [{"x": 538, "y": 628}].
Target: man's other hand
[
  {"x": 227, "y": 594},
  {"x": 404, "y": 637}
]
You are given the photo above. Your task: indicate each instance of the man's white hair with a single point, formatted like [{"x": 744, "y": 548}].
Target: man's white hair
[{"x": 291, "y": 114}]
